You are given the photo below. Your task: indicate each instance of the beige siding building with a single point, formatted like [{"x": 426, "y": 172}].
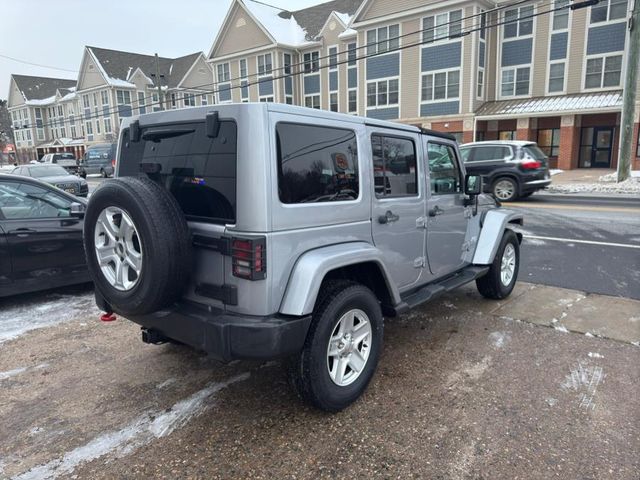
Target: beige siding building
[{"x": 477, "y": 69}]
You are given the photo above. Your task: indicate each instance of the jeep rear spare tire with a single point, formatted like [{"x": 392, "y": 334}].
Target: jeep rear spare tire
[{"x": 137, "y": 245}]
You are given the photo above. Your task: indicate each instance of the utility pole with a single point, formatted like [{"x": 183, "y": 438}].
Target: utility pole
[
  {"x": 629, "y": 95},
  {"x": 158, "y": 82}
]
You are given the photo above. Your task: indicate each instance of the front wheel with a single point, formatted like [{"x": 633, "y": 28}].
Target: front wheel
[
  {"x": 103, "y": 174},
  {"x": 341, "y": 352},
  {"x": 498, "y": 283}
]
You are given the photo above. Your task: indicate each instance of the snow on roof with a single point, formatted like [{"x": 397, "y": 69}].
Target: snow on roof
[
  {"x": 348, "y": 33},
  {"x": 41, "y": 102},
  {"x": 543, "y": 105},
  {"x": 344, "y": 17},
  {"x": 116, "y": 82},
  {"x": 284, "y": 30}
]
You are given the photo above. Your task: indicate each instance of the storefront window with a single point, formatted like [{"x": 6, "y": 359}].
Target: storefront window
[
  {"x": 507, "y": 135},
  {"x": 549, "y": 141}
]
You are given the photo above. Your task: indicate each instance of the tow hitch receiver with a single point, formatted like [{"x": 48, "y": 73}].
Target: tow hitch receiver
[{"x": 153, "y": 336}]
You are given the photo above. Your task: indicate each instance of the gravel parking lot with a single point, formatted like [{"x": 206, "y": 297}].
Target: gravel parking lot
[{"x": 465, "y": 389}]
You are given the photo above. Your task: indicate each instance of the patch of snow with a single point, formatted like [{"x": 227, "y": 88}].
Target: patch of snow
[
  {"x": 18, "y": 320},
  {"x": 344, "y": 17},
  {"x": 12, "y": 373},
  {"x": 561, "y": 328},
  {"x": 635, "y": 344},
  {"x": 587, "y": 334},
  {"x": 606, "y": 184},
  {"x": 348, "y": 33},
  {"x": 140, "y": 432},
  {"x": 498, "y": 339},
  {"x": 551, "y": 401},
  {"x": 43, "y": 101},
  {"x": 584, "y": 381},
  {"x": 166, "y": 383},
  {"x": 116, "y": 82},
  {"x": 595, "y": 355},
  {"x": 284, "y": 30},
  {"x": 535, "y": 241},
  {"x": 555, "y": 171}
]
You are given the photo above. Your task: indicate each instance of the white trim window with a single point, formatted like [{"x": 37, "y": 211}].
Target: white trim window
[
  {"x": 107, "y": 124},
  {"x": 333, "y": 101},
  {"x": 311, "y": 62},
  {"x": 383, "y": 93},
  {"x": 189, "y": 99},
  {"x": 223, "y": 71},
  {"x": 518, "y": 22},
  {"x": 333, "y": 58},
  {"x": 268, "y": 99},
  {"x": 556, "y": 77},
  {"x": 560, "y": 17},
  {"x": 243, "y": 68},
  {"x": 352, "y": 64},
  {"x": 515, "y": 81},
  {"x": 96, "y": 115},
  {"x": 85, "y": 102},
  {"x": 440, "y": 86},
  {"x": 88, "y": 128},
  {"x": 312, "y": 101},
  {"x": 286, "y": 64},
  {"x": 480, "y": 83},
  {"x": 204, "y": 101},
  {"x": 265, "y": 64},
  {"x": 608, "y": 11},
  {"x": 142, "y": 108},
  {"x": 442, "y": 27},
  {"x": 603, "y": 72},
  {"x": 123, "y": 97},
  {"x": 155, "y": 101},
  {"x": 383, "y": 39},
  {"x": 104, "y": 96}
]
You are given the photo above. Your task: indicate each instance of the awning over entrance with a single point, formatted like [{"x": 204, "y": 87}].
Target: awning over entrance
[{"x": 553, "y": 105}]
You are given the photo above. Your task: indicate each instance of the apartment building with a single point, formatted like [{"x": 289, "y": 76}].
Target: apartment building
[
  {"x": 56, "y": 115},
  {"x": 463, "y": 67}
]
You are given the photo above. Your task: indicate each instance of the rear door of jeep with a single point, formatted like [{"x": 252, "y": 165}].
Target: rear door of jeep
[{"x": 200, "y": 172}]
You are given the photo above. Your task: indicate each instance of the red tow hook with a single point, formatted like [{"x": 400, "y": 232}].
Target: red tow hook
[{"x": 108, "y": 317}]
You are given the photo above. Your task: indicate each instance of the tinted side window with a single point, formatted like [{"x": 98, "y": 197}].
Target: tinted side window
[
  {"x": 444, "y": 173},
  {"x": 24, "y": 201},
  {"x": 316, "y": 164},
  {"x": 394, "y": 166}
]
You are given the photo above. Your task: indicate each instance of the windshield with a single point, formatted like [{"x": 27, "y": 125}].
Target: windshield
[{"x": 48, "y": 171}]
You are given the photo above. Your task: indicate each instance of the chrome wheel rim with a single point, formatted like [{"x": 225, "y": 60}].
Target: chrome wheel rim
[
  {"x": 118, "y": 248},
  {"x": 508, "y": 265},
  {"x": 504, "y": 190},
  {"x": 349, "y": 347}
]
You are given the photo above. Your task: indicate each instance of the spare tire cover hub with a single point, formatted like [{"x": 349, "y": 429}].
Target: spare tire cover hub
[{"x": 118, "y": 248}]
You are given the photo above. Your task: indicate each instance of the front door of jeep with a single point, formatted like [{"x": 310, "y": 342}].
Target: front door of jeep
[
  {"x": 447, "y": 215},
  {"x": 398, "y": 206}
]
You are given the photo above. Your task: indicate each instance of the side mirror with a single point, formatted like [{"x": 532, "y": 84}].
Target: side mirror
[
  {"x": 76, "y": 210},
  {"x": 473, "y": 185}
]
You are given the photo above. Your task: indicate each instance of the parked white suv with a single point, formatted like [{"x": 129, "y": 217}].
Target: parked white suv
[{"x": 267, "y": 230}]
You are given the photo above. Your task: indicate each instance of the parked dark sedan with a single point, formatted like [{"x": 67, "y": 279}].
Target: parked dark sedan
[
  {"x": 57, "y": 176},
  {"x": 510, "y": 169},
  {"x": 40, "y": 236}
]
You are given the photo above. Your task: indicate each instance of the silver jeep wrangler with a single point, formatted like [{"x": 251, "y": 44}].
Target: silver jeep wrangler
[{"x": 258, "y": 231}]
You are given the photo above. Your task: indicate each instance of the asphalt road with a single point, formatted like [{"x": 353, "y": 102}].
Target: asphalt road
[{"x": 585, "y": 243}]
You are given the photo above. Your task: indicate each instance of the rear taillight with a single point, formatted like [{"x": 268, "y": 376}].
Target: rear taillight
[
  {"x": 249, "y": 258},
  {"x": 113, "y": 163},
  {"x": 531, "y": 164}
]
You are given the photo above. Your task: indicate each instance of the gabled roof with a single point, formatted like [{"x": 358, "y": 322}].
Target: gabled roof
[
  {"x": 313, "y": 18},
  {"x": 118, "y": 66},
  {"x": 41, "y": 88}
]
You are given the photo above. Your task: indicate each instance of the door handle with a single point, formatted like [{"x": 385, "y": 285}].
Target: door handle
[
  {"x": 435, "y": 211},
  {"x": 388, "y": 217},
  {"x": 22, "y": 232}
]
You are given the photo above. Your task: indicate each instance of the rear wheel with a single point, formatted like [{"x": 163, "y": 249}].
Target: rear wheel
[
  {"x": 342, "y": 348},
  {"x": 505, "y": 189},
  {"x": 498, "y": 283},
  {"x": 103, "y": 174}
]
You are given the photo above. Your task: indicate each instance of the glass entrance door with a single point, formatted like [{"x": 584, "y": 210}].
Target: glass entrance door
[{"x": 595, "y": 147}]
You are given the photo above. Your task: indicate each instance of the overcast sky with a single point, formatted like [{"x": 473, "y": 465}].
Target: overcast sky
[{"x": 54, "y": 32}]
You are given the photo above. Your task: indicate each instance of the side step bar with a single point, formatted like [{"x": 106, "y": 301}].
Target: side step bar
[{"x": 433, "y": 290}]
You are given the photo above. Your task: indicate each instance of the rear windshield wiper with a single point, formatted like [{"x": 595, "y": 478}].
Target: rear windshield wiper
[{"x": 157, "y": 134}]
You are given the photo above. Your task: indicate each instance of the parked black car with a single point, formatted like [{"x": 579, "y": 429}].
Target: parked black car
[
  {"x": 40, "y": 236},
  {"x": 56, "y": 176},
  {"x": 100, "y": 158},
  {"x": 510, "y": 169}
]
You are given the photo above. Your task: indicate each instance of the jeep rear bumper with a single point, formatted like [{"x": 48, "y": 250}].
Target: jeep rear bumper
[{"x": 227, "y": 336}]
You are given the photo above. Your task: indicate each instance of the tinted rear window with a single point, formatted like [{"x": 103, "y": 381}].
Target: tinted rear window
[
  {"x": 316, "y": 164},
  {"x": 199, "y": 171},
  {"x": 534, "y": 152}
]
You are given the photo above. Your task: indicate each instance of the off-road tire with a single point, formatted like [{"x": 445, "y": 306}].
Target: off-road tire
[
  {"x": 308, "y": 371},
  {"x": 490, "y": 285},
  {"x": 164, "y": 238}
]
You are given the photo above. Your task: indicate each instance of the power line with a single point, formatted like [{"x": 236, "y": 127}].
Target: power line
[
  {"x": 474, "y": 28},
  {"x": 37, "y": 64}
]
